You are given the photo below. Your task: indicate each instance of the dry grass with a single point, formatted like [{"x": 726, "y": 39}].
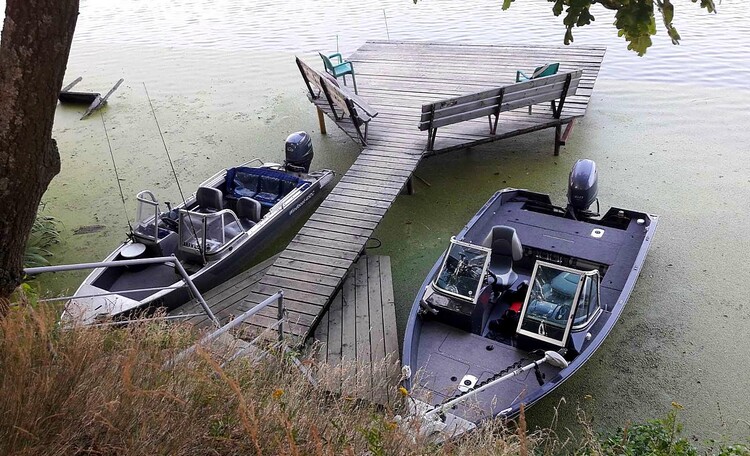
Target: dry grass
[{"x": 103, "y": 391}]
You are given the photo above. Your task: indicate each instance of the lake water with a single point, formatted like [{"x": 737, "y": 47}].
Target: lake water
[{"x": 669, "y": 132}]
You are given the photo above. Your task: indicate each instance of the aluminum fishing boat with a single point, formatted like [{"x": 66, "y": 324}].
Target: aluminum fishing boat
[
  {"x": 215, "y": 234},
  {"x": 525, "y": 286}
]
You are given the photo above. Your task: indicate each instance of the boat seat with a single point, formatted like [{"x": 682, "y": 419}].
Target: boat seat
[
  {"x": 266, "y": 185},
  {"x": 248, "y": 211},
  {"x": 506, "y": 249},
  {"x": 268, "y": 190},
  {"x": 209, "y": 199}
]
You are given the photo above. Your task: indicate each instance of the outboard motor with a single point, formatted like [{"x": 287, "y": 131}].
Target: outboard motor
[
  {"x": 299, "y": 152},
  {"x": 582, "y": 189}
]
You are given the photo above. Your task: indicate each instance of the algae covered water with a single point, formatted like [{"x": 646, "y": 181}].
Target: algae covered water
[{"x": 668, "y": 131}]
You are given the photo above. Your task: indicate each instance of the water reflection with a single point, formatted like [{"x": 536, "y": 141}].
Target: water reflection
[{"x": 714, "y": 46}]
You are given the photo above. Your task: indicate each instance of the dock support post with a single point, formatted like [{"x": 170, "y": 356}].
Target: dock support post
[
  {"x": 410, "y": 186},
  {"x": 558, "y": 140},
  {"x": 322, "y": 122}
]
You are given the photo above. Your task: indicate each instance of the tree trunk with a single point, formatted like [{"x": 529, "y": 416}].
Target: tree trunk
[{"x": 34, "y": 49}]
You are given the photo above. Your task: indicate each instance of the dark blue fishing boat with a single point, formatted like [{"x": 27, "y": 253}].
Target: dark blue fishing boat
[
  {"x": 216, "y": 233},
  {"x": 525, "y": 286}
]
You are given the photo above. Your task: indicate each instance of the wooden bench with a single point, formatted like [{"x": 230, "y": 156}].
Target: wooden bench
[
  {"x": 494, "y": 101},
  {"x": 337, "y": 97}
]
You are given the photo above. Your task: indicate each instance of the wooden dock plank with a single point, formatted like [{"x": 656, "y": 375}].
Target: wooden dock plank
[
  {"x": 377, "y": 334},
  {"x": 362, "y": 322},
  {"x": 348, "y": 336},
  {"x": 390, "y": 330}
]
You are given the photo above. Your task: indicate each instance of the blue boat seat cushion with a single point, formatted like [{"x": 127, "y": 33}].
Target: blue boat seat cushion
[{"x": 265, "y": 185}]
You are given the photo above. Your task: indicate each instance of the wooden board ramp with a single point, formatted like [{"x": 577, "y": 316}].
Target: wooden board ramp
[
  {"x": 355, "y": 346},
  {"x": 395, "y": 80}
]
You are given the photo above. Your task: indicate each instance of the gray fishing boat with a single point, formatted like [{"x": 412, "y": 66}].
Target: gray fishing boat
[
  {"x": 215, "y": 234},
  {"x": 525, "y": 286}
]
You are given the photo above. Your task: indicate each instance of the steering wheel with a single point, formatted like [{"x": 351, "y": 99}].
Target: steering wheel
[
  {"x": 169, "y": 222},
  {"x": 562, "y": 312}
]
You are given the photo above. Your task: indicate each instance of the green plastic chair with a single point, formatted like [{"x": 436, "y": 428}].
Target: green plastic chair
[
  {"x": 340, "y": 69},
  {"x": 539, "y": 72}
]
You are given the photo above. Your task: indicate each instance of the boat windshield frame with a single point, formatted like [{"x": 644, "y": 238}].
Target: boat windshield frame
[
  {"x": 480, "y": 280},
  {"x": 147, "y": 215},
  {"x": 198, "y": 226},
  {"x": 536, "y": 287}
]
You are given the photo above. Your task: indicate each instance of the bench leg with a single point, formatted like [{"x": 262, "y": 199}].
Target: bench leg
[
  {"x": 431, "y": 133},
  {"x": 493, "y": 125},
  {"x": 322, "y": 121},
  {"x": 558, "y": 140}
]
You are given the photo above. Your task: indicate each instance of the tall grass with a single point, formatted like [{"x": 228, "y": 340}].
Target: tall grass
[{"x": 103, "y": 391}]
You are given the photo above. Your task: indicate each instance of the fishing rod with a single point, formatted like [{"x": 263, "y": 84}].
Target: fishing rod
[
  {"x": 117, "y": 175},
  {"x": 174, "y": 173}
]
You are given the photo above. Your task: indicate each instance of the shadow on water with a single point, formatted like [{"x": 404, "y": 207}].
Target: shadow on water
[{"x": 226, "y": 90}]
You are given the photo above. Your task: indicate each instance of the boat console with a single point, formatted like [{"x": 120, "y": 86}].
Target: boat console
[{"x": 553, "y": 295}]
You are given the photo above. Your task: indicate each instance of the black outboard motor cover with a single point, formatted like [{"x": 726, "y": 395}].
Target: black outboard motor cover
[
  {"x": 299, "y": 152},
  {"x": 582, "y": 185}
]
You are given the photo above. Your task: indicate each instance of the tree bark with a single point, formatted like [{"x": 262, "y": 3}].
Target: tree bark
[{"x": 34, "y": 49}]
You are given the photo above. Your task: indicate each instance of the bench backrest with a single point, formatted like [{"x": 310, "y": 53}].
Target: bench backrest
[
  {"x": 493, "y": 101},
  {"x": 340, "y": 97}
]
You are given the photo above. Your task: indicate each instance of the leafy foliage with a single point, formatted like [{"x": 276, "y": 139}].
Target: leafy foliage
[
  {"x": 635, "y": 19},
  {"x": 44, "y": 233},
  {"x": 655, "y": 437},
  {"x": 660, "y": 437}
]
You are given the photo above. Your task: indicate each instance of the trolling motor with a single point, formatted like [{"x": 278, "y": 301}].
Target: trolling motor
[
  {"x": 582, "y": 190},
  {"x": 299, "y": 152},
  {"x": 436, "y": 423}
]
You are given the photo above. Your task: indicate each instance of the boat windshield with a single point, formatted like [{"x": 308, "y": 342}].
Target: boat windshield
[
  {"x": 548, "y": 311},
  {"x": 147, "y": 216},
  {"x": 207, "y": 233},
  {"x": 463, "y": 269}
]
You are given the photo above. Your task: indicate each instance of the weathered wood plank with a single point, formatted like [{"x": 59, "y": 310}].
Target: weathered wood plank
[
  {"x": 325, "y": 251},
  {"x": 377, "y": 335},
  {"x": 346, "y": 221},
  {"x": 362, "y": 321},
  {"x": 326, "y": 233},
  {"x": 348, "y": 336},
  {"x": 303, "y": 276},
  {"x": 390, "y": 330}
]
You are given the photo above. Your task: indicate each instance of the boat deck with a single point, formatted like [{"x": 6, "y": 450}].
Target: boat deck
[{"x": 396, "y": 78}]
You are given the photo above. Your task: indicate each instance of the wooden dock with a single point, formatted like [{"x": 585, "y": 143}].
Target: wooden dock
[
  {"x": 353, "y": 351},
  {"x": 356, "y": 342},
  {"x": 396, "y": 78}
]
